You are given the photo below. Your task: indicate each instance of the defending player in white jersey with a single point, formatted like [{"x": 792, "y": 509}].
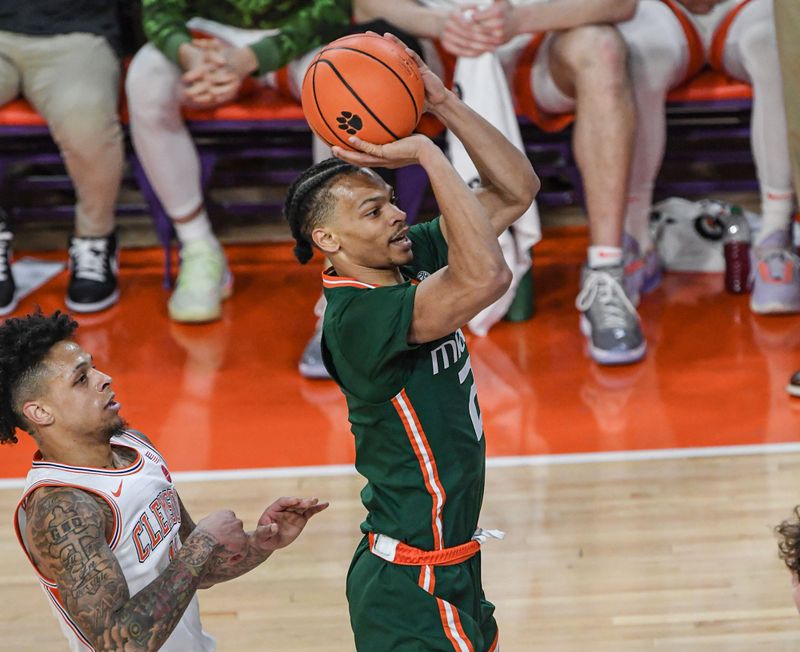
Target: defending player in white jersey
[{"x": 116, "y": 553}]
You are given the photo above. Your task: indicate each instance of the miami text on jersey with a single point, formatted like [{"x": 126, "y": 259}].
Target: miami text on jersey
[{"x": 448, "y": 352}]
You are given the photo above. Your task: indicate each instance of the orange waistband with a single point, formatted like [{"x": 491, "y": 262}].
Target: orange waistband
[{"x": 402, "y": 554}]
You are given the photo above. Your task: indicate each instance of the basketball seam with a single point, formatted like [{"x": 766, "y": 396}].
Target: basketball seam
[
  {"x": 358, "y": 99},
  {"x": 319, "y": 109},
  {"x": 389, "y": 68}
]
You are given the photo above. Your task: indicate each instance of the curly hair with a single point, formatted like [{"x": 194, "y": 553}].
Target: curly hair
[
  {"x": 308, "y": 202},
  {"x": 24, "y": 343},
  {"x": 789, "y": 542}
]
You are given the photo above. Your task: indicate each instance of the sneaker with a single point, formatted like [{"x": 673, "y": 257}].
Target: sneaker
[
  {"x": 794, "y": 384},
  {"x": 776, "y": 276},
  {"x": 311, "y": 365},
  {"x": 643, "y": 273},
  {"x": 93, "y": 266},
  {"x": 608, "y": 318},
  {"x": 204, "y": 280},
  {"x": 8, "y": 289}
]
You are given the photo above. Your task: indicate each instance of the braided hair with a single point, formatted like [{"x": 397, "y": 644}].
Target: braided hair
[
  {"x": 24, "y": 343},
  {"x": 308, "y": 201}
]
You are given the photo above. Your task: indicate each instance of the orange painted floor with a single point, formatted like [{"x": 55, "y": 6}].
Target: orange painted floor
[{"x": 227, "y": 395}]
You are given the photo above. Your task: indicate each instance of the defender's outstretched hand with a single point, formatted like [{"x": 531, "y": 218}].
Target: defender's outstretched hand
[{"x": 283, "y": 521}]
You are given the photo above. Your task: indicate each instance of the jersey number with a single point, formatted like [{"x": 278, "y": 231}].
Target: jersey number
[{"x": 474, "y": 410}]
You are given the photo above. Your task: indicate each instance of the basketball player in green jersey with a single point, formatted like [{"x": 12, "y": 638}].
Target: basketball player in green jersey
[{"x": 397, "y": 297}]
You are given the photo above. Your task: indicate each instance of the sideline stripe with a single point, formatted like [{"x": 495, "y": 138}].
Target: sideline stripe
[{"x": 329, "y": 470}]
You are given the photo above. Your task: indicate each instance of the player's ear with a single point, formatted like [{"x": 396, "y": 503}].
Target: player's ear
[
  {"x": 325, "y": 240},
  {"x": 37, "y": 413}
]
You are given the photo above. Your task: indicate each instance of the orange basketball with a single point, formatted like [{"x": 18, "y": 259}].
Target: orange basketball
[{"x": 363, "y": 85}]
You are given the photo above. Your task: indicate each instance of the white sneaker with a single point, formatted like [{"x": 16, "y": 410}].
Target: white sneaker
[{"x": 204, "y": 280}]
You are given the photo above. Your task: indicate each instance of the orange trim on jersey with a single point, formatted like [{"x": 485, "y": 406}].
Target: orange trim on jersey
[
  {"x": 112, "y": 542},
  {"x": 406, "y": 555},
  {"x": 427, "y": 462},
  {"x": 427, "y": 578},
  {"x": 524, "y": 92},
  {"x": 716, "y": 54},
  {"x": 330, "y": 280},
  {"x": 694, "y": 41},
  {"x": 452, "y": 627},
  {"x": 133, "y": 467},
  {"x": 496, "y": 640}
]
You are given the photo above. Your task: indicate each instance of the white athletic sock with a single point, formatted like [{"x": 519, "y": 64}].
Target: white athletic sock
[
  {"x": 198, "y": 228},
  {"x": 602, "y": 256},
  {"x": 776, "y": 212}
]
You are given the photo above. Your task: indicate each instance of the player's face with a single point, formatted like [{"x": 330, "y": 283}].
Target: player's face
[
  {"x": 371, "y": 231},
  {"x": 79, "y": 396}
]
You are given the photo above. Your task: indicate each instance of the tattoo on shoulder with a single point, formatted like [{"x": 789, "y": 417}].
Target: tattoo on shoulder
[{"x": 67, "y": 530}]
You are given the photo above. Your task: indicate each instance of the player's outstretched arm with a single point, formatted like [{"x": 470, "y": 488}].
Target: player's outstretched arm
[
  {"x": 279, "y": 525},
  {"x": 66, "y": 533}
]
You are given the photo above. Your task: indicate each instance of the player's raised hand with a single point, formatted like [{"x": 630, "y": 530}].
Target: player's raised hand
[
  {"x": 397, "y": 154},
  {"x": 435, "y": 90},
  {"x": 283, "y": 521}
]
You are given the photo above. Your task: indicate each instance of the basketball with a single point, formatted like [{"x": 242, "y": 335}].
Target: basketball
[{"x": 363, "y": 85}]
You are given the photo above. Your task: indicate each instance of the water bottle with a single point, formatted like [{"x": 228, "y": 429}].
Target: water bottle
[{"x": 736, "y": 247}]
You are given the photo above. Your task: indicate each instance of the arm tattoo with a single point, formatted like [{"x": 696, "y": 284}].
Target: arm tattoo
[
  {"x": 66, "y": 533},
  {"x": 223, "y": 569}
]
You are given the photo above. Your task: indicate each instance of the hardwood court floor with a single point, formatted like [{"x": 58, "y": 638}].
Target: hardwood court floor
[
  {"x": 669, "y": 554},
  {"x": 673, "y": 555}
]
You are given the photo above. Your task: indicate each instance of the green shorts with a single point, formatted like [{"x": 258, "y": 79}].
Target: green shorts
[{"x": 396, "y": 608}]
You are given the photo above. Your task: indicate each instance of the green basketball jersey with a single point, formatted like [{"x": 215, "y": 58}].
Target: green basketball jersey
[{"x": 413, "y": 409}]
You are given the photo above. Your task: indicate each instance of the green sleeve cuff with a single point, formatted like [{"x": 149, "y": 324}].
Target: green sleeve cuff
[
  {"x": 173, "y": 43},
  {"x": 269, "y": 54}
]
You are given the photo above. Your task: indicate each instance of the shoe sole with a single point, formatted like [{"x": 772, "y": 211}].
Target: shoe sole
[
  {"x": 793, "y": 390},
  {"x": 610, "y": 358},
  {"x": 774, "y": 308},
  {"x": 10, "y": 307},
  {"x": 202, "y": 317},
  {"x": 97, "y": 306}
]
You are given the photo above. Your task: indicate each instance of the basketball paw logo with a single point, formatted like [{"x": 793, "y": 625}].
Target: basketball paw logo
[{"x": 349, "y": 122}]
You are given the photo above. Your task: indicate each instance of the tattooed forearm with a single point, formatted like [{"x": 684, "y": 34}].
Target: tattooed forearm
[
  {"x": 148, "y": 618},
  {"x": 66, "y": 533},
  {"x": 222, "y": 569}
]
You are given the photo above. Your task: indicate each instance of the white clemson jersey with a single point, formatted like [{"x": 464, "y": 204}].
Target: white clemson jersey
[{"x": 147, "y": 519}]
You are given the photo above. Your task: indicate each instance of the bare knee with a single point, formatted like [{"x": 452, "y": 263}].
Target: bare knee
[{"x": 592, "y": 51}]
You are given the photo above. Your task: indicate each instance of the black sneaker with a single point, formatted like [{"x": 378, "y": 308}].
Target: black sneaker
[
  {"x": 8, "y": 299},
  {"x": 93, "y": 268}
]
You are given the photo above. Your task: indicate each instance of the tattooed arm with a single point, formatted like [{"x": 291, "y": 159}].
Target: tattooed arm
[
  {"x": 279, "y": 525},
  {"x": 66, "y": 534}
]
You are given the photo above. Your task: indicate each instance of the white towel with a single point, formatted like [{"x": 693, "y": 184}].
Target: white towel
[{"x": 484, "y": 88}]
